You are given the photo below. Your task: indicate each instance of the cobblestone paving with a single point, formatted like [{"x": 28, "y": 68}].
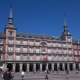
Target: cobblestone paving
[{"x": 41, "y": 76}]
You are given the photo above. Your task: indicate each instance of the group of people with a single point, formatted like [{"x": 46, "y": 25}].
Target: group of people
[{"x": 7, "y": 75}]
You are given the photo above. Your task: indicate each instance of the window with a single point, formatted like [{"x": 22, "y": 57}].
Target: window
[
  {"x": 30, "y": 36},
  {"x": 10, "y": 33}
]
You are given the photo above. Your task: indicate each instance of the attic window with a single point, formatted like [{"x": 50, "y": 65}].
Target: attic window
[
  {"x": 23, "y": 35},
  {"x": 30, "y": 36},
  {"x": 36, "y": 37},
  {"x": 52, "y": 38},
  {"x": 17, "y": 35}
]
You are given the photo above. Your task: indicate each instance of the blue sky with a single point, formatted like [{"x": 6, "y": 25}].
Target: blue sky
[{"x": 42, "y": 16}]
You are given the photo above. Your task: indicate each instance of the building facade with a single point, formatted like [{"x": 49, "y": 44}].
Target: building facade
[{"x": 20, "y": 51}]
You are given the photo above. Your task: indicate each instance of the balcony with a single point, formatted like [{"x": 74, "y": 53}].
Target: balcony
[
  {"x": 10, "y": 50},
  {"x": 10, "y": 42}
]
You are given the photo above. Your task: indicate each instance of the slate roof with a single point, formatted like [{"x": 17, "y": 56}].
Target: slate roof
[
  {"x": 23, "y": 35},
  {"x": 76, "y": 42},
  {"x": 2, "y": 35},
  {"x": 38, "y": 36}
]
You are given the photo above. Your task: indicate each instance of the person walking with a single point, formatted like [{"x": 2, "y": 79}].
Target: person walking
[
  {"x": 7, "y": 75},
  {"x": 22, "y": 75},
  {"x": 12, "y": 74}
]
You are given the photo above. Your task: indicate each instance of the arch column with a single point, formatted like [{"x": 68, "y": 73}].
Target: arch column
[
  {"x": 74, "y": 66},
  {"x": 20, "y": 66},
  {"x": 79, "y": 66},
  {"x": 57, "y": 65},
  {"x": 28, "y": 67},
  {"x": 63, "y": 66},
  {"x": 14, "y": 66},
  {"x": 52, "y": 66},
  {"x": 41, "y": 67},
  {"x": 35, "y": 66},
  {"x": 4, "y": 66},
  {"x": 47, "y": 66}
]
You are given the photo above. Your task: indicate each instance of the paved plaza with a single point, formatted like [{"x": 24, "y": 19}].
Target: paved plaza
[{"x": 41, "y": 76}]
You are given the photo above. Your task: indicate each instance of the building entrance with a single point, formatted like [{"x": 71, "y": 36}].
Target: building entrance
[
  {"x": 77, "y": 66},
  {"x": 49, "y": 66},
  {"x": 43, "y": 67},
  {"x": 9, "y": 66},
  {"x": 31, "y": 67},
  {"x": 71, "y": 66},
  {"x": 65, "y": 66},
  {"x": 60, "y": 67},
  {"x": 17, "y": 67},
  {"x": 55, "y": 66},
  {"x": 24, "y": 67},
  {"x": 37, "y": 66}
]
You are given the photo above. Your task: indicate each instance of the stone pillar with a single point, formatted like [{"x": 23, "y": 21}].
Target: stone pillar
[
  {"x": 74, "y": 66},
  {"x": 52, "y": 66},
  {"x": 63, "y": 66},
  {"x": 57, "y": 65},
  {"x": 34, "y": 66},
  {"x": 68, "y": 66},
  {"x": 14, "y": 66},
  {"x": 20, "y": 66},
  {"x": 79, "y": 66},
  {"x": 47, "y": 66},
  {"x": 41, "y": 67},
  {"x": 27, "y": 67}
]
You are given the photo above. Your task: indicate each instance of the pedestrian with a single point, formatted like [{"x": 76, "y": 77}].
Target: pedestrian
[
  {"x": 12, "y": 74},
  {"x": 22, "y": 75},
  {"x": 67, "y": 72},
  {"x": 7, "y": 75}
]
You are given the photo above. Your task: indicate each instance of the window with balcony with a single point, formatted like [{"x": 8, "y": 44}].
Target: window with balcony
[
  {"x": 59, "y": 45},
  {"x": 18, "y": 41},
  {"x": 76, "y": 53},
  {"x": 64, "y": 45},
  {"x": 10, "y": 49},
  {"x": 24, "y": 42},
  {"x": 17, "y": 49},
  {"x": 76, "y": 58},
  {"x": 10, "y": 41},
  {"x": 24, "y": 49},
  {"x": 75, "y": 46},
  {"x": 1, "y": 48},
  {"x": 54, "y": 44},
  {"x": 17, "y": 57}
]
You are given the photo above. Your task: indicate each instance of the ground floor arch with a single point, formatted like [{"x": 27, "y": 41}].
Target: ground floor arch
[
  {"x": 50, "y": 66},
  {"x": 60, "y": 67},
  {"x": 17, "y": 67},
  {"x": 31, "y": 67},
  {"x": 44, "y": 66},
  {"x": 71, "y": 66},
  {"x": 77, "y": 66},
  {"x": 55, "y": 66},
  {"x": 24, "y": 67},
  {"x": 37, "y": 66},
  {"x": 65, "y": 66},
  {"x": 9, "y": 66}
]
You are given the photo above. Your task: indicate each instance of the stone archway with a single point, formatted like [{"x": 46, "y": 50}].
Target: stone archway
[
  {"x": 31, "y": 67},
  {"x": 60, "y": 66},
  {"x": 37, "y": 66},
  {"x": 43, "y": 67},
  {"x": 24, "y": 67},
  {"x": 9, "y": 66},
  {"x": 49, "y": 66},
  {"x": 65, "y": 66},
  {"x": 71, "y": 66},
  {"x": 55, "y": 66},
  {"x": 17, "y": 68}
]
